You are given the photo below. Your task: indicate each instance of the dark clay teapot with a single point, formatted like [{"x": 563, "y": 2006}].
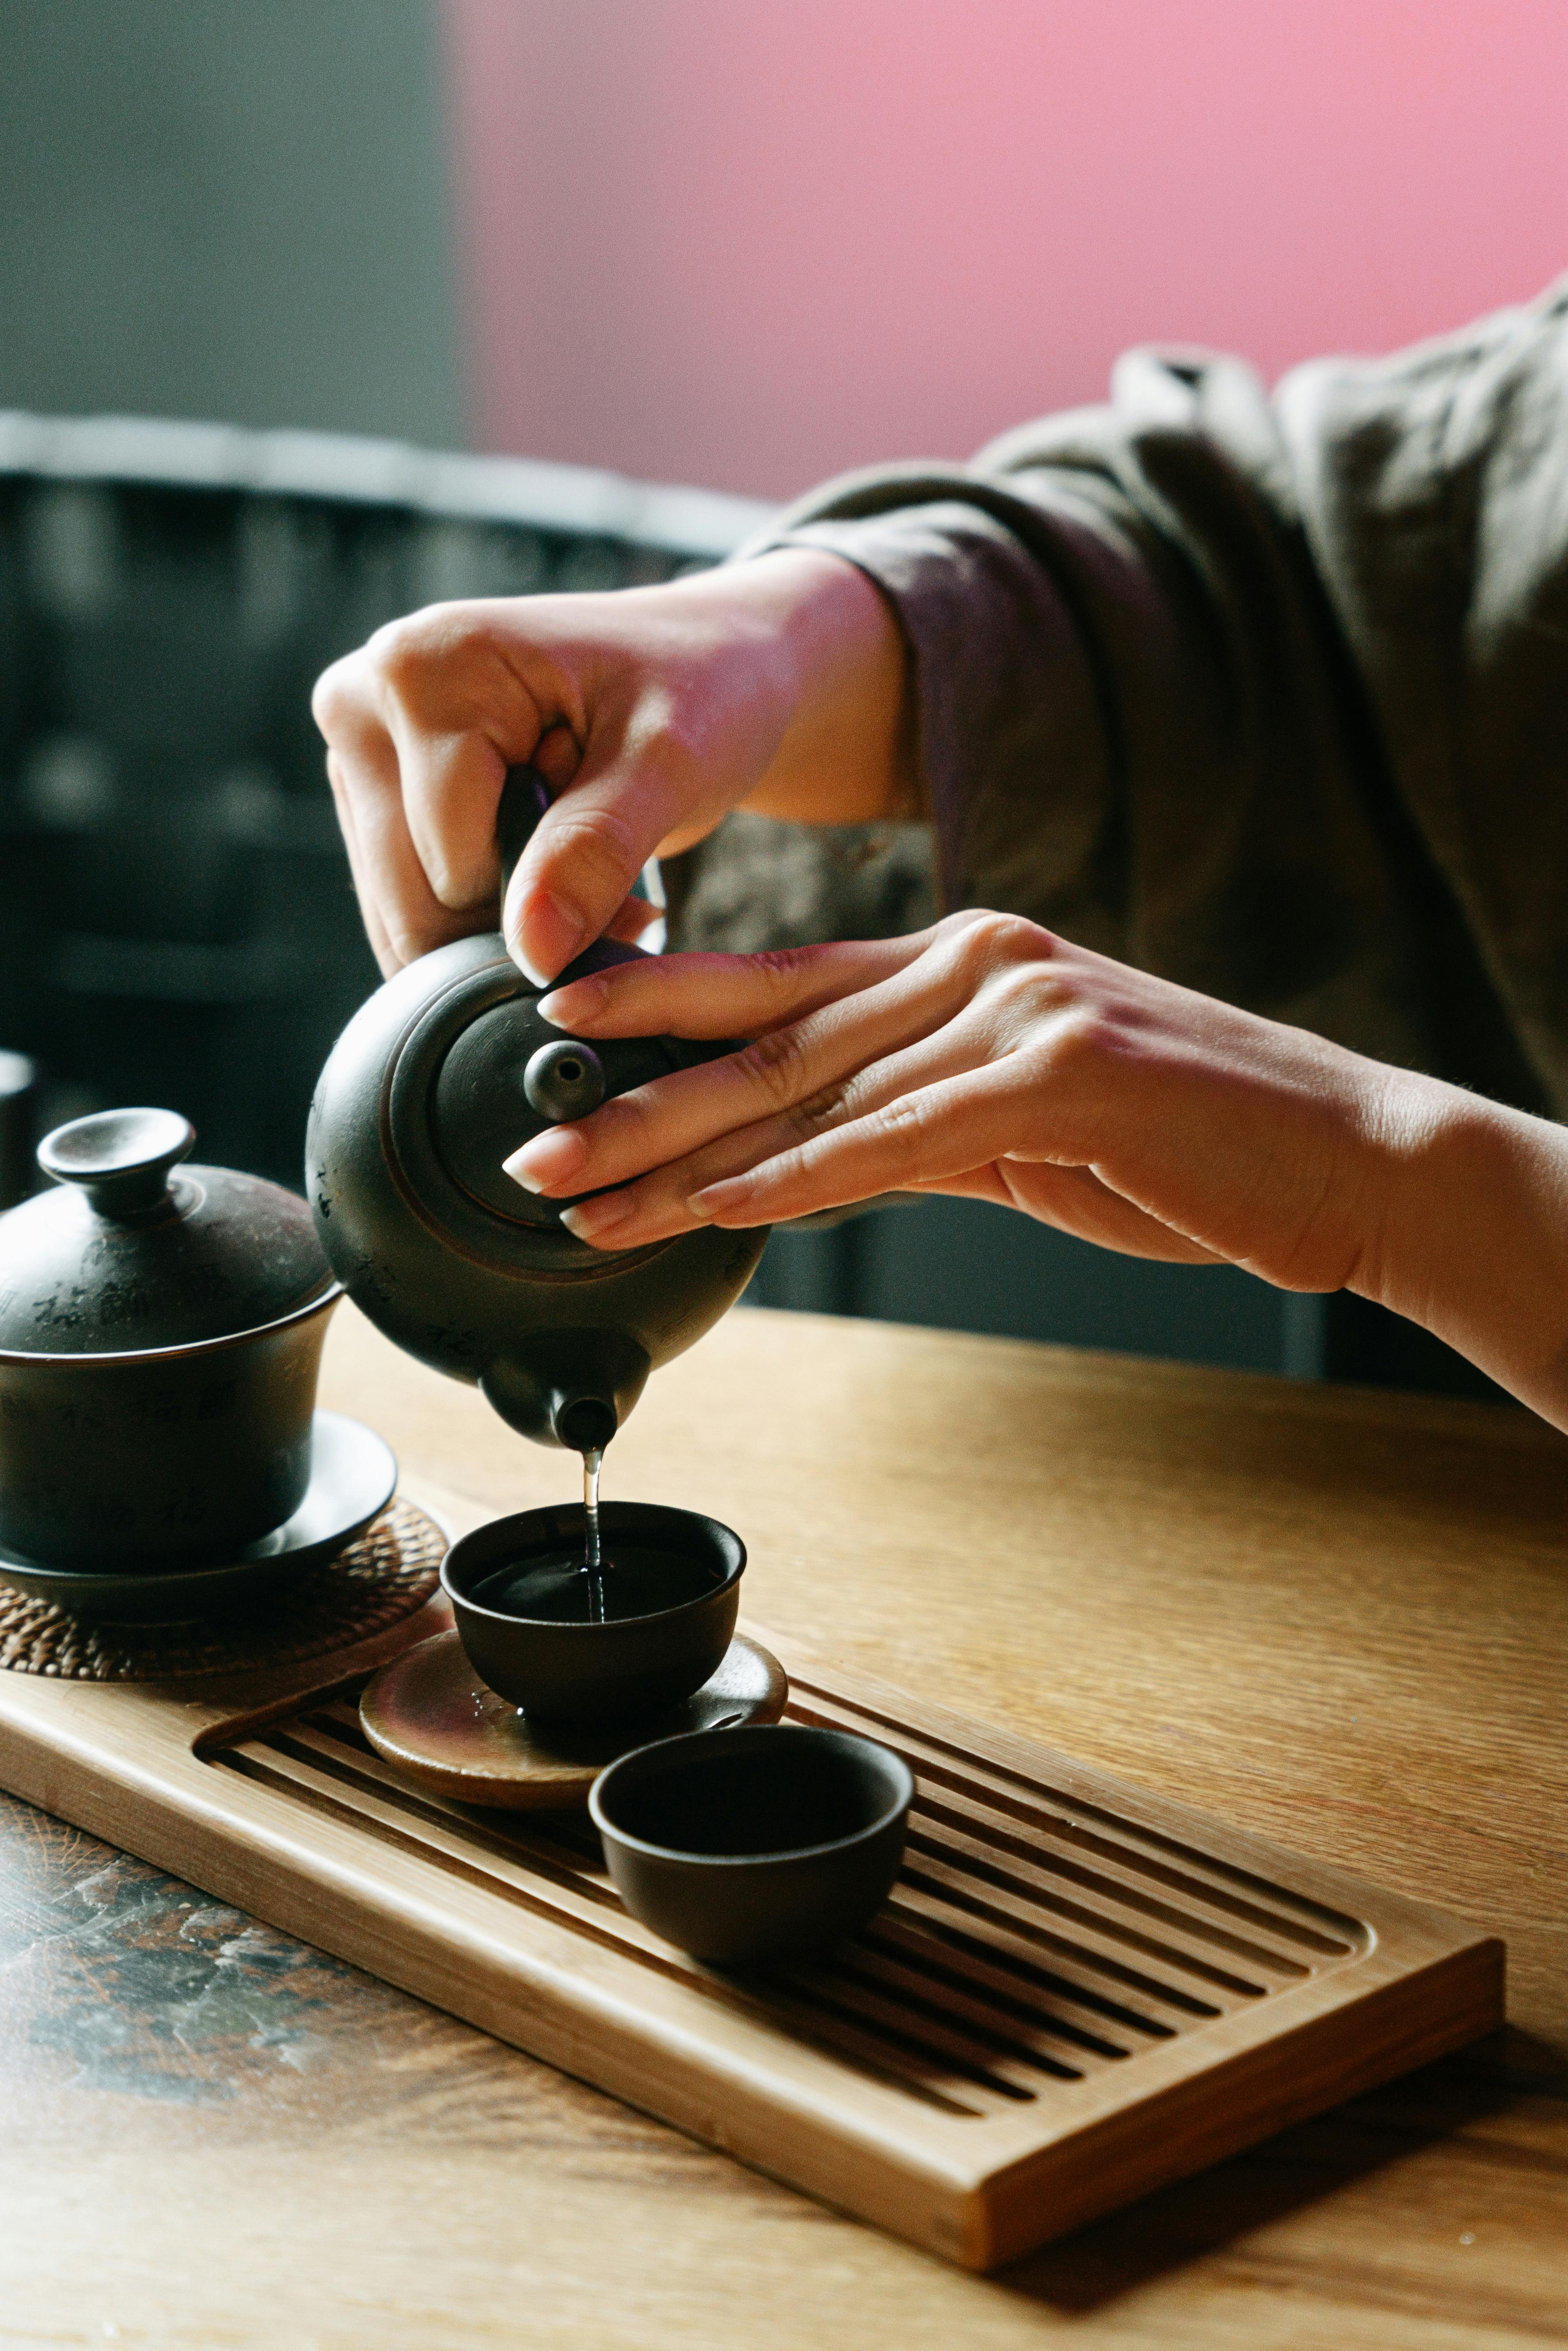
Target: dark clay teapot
[{"x": 444, "y": 1072}]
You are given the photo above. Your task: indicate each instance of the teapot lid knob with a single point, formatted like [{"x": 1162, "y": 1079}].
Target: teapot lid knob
[
  {"x": 121, "y": 1159},
  {"x": 564, "y": 1079}
]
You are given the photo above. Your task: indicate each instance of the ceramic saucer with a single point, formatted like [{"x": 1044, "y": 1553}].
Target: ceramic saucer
[
  {"x": 432, "y": 1718},
  {"x": 353, "y": 1476}
]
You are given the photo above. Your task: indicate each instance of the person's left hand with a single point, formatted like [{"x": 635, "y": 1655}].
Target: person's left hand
[{"x": 984, "y": 1058}]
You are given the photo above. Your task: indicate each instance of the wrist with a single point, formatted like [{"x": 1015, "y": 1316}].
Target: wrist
[
  {"x": 845, "y": 755},
  {"x": 1473, "y": 1235}
]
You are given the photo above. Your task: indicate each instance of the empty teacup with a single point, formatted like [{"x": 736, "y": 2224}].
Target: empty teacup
[{"x": 737, "y": 1845}]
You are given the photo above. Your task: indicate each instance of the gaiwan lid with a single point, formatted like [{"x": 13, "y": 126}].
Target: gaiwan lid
[{"x": 128, "y": 1255}]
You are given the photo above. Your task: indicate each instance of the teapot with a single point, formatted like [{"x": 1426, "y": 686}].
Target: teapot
[{"x": 438, "y": 1077}]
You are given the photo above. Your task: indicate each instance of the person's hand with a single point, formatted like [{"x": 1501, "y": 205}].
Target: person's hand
[
  {"x": 650, "y": 712},
  {"x": 987, "y": 1059}
]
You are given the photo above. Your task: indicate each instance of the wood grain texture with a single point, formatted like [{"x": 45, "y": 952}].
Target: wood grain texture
[
  {"x": 1075, "y": 1993},
  {"x": 1338, "y": 1619}
]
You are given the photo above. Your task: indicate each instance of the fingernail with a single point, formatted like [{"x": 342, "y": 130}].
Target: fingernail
[
  {"x": 549, "y": 1159},
  {"x": 564, "y": 1007},
  {"x": 556, "y": 931},
  {"x": 715, "y": 1198},
  {"x": 592, "y": 1217}
]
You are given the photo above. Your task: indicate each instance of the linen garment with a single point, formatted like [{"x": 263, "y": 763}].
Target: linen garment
[{"x": 1266, "y": 695}]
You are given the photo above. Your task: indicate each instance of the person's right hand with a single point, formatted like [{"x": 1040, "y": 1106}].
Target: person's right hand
[{"x": 651, "y": 713}]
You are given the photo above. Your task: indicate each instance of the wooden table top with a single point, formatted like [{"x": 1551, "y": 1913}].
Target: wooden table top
[{"x": 1334, "y": 1616}]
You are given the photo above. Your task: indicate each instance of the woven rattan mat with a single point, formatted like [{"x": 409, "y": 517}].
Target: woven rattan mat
[{"x": 386, "y": 1574}]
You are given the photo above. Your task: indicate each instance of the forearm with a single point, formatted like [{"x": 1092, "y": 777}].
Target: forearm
[{"x": 1473, "y": 1235}]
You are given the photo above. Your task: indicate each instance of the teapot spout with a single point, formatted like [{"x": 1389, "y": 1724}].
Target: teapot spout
[
  {"x": 584, "y": 1424},
  {"x": 571, "y": 1388}
]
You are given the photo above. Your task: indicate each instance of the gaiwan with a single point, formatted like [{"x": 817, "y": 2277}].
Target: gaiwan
[{"x": 161, "y": 1329}]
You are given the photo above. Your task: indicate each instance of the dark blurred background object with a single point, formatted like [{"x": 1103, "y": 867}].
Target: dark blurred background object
[
  {"x": 18, "y": 1132},
  {"x": 177, "y": 919},
  {"x": 752, "y": 245}
]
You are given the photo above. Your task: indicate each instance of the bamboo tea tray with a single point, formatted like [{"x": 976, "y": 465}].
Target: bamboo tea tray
[{"x": 1078, "y": 1991}]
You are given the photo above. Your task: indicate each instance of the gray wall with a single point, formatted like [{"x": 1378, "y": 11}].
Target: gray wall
[{"x": 233, "y": 209}]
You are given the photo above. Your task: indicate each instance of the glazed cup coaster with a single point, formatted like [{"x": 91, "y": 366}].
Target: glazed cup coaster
[{"x": 429, "y": 1716}]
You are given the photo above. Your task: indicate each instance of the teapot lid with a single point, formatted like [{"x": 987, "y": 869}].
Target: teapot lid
[{"x": 127, "y": 1255}]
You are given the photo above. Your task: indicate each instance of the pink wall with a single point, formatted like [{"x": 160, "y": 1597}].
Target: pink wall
[{"x": 750, "y": 241}]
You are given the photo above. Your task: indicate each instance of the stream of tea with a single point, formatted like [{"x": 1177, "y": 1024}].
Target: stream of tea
[
  {"x": 572, "y": 1586},
  {"x": 593, "y": 1563}
]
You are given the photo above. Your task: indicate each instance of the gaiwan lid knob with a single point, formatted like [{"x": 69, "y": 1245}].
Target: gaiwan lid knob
[
  {"x": 122, "y": 1158},
  {"x": 131, "y": 1250}
]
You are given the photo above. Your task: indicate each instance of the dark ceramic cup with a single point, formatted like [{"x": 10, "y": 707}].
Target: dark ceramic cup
[
  {"x": 584, "y": 1677},
  {"x": 762, "y": 1843}
]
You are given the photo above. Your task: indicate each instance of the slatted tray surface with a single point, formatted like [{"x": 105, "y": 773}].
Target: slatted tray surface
[
  {"x": 1029, "y": 1942},
  {"x": 1076, "y": 1992}
]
